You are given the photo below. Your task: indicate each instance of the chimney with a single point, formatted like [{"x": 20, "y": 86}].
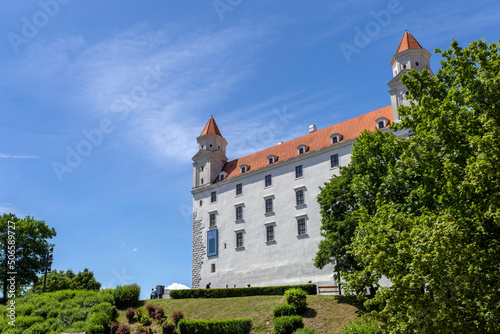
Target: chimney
[{"x": 312, "y": 128}]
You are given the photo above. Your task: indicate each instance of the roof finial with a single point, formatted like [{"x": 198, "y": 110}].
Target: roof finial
[
  {"x": 211, "y": 116},
  {"x": 406, "y": 30}
]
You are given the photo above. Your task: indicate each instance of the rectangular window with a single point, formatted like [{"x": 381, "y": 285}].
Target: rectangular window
[
  {"x": 301, "y": 226},
  {"x": 239, "y": 213},
  {"x": 201, "y": 203},
  {"x": 214, "y": 197},
  {"x": 269, "y": 205},
  {"x": 334, "y": 160},
  {"x": 268, "y": 180},
  {"x": 299, "y": 196},
  {"x": 212, "y": 243},
  {"x": 212, "y": 219},
  {"x": 270, "y": 233},
  {"x": 239, "y": 239},
  {"x": 213, "y": 267},
  {"x": 298, "y": 171},
  {"x": 239, "y": 189}
]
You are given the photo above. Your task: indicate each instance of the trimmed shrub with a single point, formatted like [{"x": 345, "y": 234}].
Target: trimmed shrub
[
  {"x": 159, "y": 313},
  {"x": 287, "y": 324},
  {"x": 240, "y": 292},
  {"x": 127, "y": 295},
  {"x": 114, "y": 327},
  {"x": 123, "y": 329},
  {"x": 177, "y": 316},
  {"x": 304, "y": 331},
  {"x": 151, "y": 309},
  {"x": 284, "y": 310},
  {"x": 229, "y": 326},
  {"x": 362, "y": 325},
  {"x": 298, "y": 298},
  {"x": 146, "y": 320},
  {"x": 168, "y": 327},
  {"x": 130, "y": 313}
]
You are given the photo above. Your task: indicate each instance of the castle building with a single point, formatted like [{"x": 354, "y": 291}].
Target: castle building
[{"x": 256, "y": 219}]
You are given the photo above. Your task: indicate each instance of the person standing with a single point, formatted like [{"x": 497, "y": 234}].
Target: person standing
[{"x": 208, "y": 285}]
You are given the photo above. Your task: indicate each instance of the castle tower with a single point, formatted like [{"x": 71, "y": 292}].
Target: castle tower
[
  {"x": 409, "y": 54},
  {"x": 211, "y": 156}
]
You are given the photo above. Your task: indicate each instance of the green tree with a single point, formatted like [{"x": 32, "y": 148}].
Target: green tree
[
  {"x": 357, "y": 186},
  {"x": 29, "y": 238},
  {"x": 60, "y": 280},
  {"x": 440, "y": 244}
]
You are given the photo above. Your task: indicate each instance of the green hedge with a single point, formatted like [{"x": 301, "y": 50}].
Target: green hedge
[
  {"x": 283, "y": 310},
  {"x": 127, "y": 295},
  {"x": 229, "y": 326},
  {"x": 287, "y": 324},
  {"x": 240, "y": 292}
]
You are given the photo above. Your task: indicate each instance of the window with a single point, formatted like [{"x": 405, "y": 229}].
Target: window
[
  {"x": 299, "y": 196},
  {"x": 271, "y": 161},
  {"x": 239, "y": 213},
  {"x": 213, "y": 197},
  {"x": 301, "y": 226},
  {"x": 222, "y": 177},
  {"x": 381, "y": 125},
  {"x": 268, "y": 180},
  {"x": 244, "y": 168},
  {"x": 212, "y": 242},
  {"x": 416, "y": 63},
  {"x": 212, "y": 267},
  {"x": 201, "y": 203},
  {"x": 298, "y": 171},
  {"x": 202, "y": 167},
  {"x": 270, "y": 233},
  {"x": 336, "y": 138},
  {"x": 301, "y": 149},
  {"x": 239, "y": 239},
  {"x": 201, "y": 181},
  {"x": 239, "y": 189},
  {"x": 213, "y": 221},
  {"x": 269, "y": 205},
  {"x": 334, "y": 160}
]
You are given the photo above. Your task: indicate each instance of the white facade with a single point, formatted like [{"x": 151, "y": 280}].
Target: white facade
[{"x": 232, "y": 244}]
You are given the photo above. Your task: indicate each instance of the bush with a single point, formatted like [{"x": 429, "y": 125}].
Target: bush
[
  {"x": 284, "y": 310},
  {"x": 146, "y": 320},
  {"x": 151, "y": 309},
  {"x": 240, "y": 292},
  {"x": 362, "y": 325},
  {"x": 130, "y": 313},
  {"x": 304, "y": 331},
  {"x": 177, "y": 316},
  {"x": 168, "y": 327},
  {"x": 298, "y": 298},
  {"x": 287, "y": 324},
  {"x": 140, "y": 312},
  {"x": 114, "y": 327},
  {"x": 159, "y": 313},
  {"x": 229, "y": 326},
  {"x": 127, "y": 295},
  {"x": 123, "y": 329}
]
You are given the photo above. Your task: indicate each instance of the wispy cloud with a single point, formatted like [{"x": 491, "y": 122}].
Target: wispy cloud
[{"x": 17, "y": 156}]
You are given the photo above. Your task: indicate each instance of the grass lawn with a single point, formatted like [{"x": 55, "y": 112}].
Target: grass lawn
[{"x": 325, "y": 314}]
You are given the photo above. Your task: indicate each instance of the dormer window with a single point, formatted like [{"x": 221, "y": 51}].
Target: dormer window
[
  {"x": 244, "y": 168},
  {"x": 301, "y": 149},
  {"x": 222, "y": 176},
  {"x": 336, "y": 138},
  {"x": 382, "y": 122},
  {"x": 271, "y": 159}
]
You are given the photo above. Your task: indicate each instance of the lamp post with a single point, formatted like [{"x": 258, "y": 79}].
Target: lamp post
[{"x": 48, "y": 262}]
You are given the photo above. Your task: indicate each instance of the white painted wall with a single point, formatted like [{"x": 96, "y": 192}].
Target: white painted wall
[{"x": 290, "y": 259}]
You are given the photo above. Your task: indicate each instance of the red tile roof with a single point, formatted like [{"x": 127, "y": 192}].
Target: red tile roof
[
  {"x": 408, "y": 42},
  {"x": 211, "y": 128},
  {"x": 316, "y": 140}
]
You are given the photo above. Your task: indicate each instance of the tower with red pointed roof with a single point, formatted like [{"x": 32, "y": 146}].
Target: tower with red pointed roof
[
  {"x": 409, "y": 54},
  {"x": 211, "y": 156}
]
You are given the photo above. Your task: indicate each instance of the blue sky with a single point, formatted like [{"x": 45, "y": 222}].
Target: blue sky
[{"x": 102, "y": 102}]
